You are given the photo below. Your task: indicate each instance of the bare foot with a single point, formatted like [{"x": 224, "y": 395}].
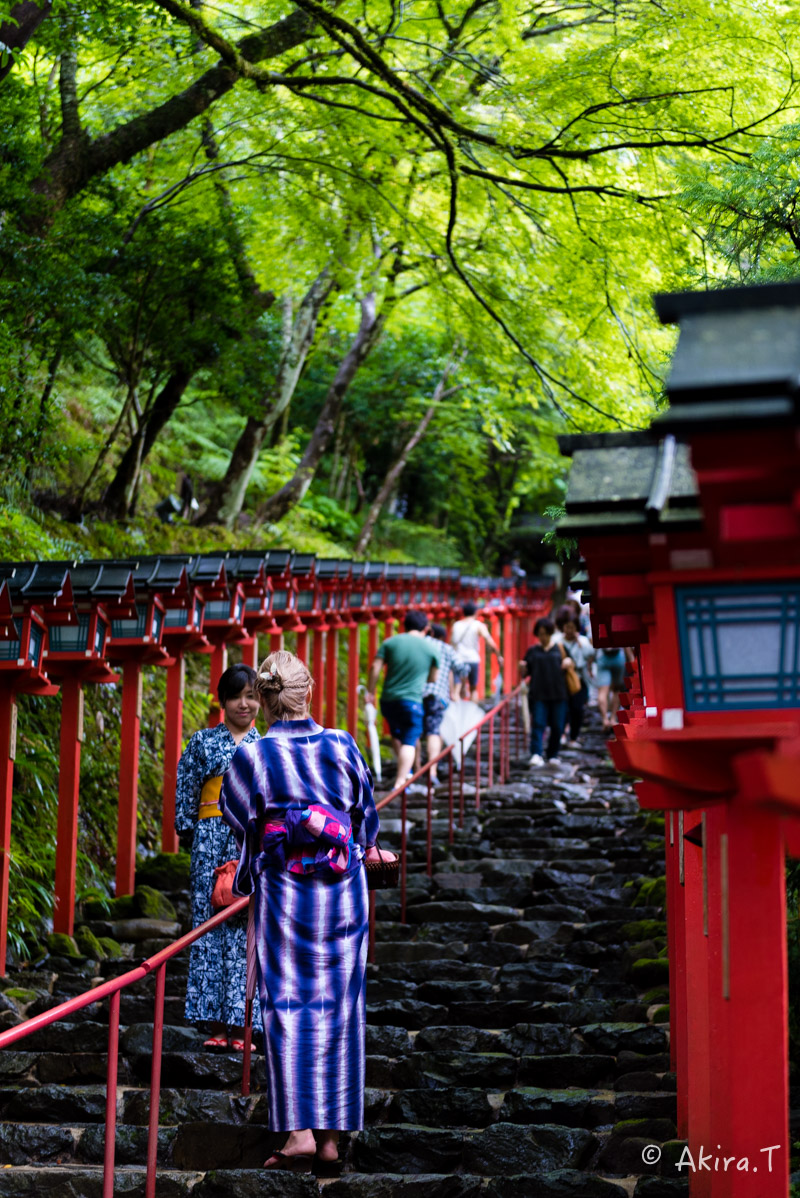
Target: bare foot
[{"x": 299, "y": 1143}]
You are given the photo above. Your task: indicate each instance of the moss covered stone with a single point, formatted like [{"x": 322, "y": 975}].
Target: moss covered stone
[
  {"x": 165, "y": 871},
  {"x": 112, "y": 948},
  {"x": 61, "y": 945},
  {"x": 652, "y": 893},
  {"x": 657, "y": 994},
  {"x": 662, "y": 1014},
  {"x": 645, "y": 929},
  {"x": 151, "y": 904},
  {"x": 123, "y": 907},
  {"x": 89, "y": 945},
  {"x": 21, "y": 996},
  {"x": 650, "y": 971}
]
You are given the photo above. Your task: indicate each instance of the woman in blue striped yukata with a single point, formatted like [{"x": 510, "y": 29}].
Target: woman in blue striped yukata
[{"x": 300, "y": 804}]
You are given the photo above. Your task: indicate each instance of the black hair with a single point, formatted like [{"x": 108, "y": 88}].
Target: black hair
[
  {"x": 545, "y": 623},
  {"x": 438, "y": 632},
  {"x": 470, "y": 608},
  {"x": 415, "y": 621},
  {"x": 234, "y": 680},
  {"x": 565, "y": 615}
]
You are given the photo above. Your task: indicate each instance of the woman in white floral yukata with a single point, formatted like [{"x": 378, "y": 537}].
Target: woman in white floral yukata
[{"x": 215, "y": 991}]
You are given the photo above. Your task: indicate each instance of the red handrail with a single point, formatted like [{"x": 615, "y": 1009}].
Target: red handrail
[
  {"x": 157, "y": 964},
  {"x": 425, "y": 771},
  {"x": 112, "y": 989}
]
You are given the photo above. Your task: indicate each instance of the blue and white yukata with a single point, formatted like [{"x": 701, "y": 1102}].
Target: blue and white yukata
[
  {"x": 311, "y": 928},
  {"x": 215, "y": 991}
]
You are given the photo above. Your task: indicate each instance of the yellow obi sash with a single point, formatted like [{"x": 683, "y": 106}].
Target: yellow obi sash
[{"x": 209, "y": 798}]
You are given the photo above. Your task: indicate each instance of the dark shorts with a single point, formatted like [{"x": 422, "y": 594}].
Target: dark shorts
[
  {"x": 404, "y": 719},
  {"x": 434, "y": 710},
  {"x": 472, "y": 668}
]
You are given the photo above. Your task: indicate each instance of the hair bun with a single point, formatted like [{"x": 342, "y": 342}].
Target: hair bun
[{"x": 270, "y": 680}]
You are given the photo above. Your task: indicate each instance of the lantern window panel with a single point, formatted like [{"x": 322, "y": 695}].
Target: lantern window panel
[
  {"x": 356, "y": 599},
  {"x": 99, "y": 636},
  {"x": 176, "y": 617},
  {"x": 156, "y": 623},
  {"x": 305, "y": 601},
  {"x": 253, "y": 604},
  {"x": 280, "y": 600},
  {"x": 375, "y": 598},
  {"x": 740, "y": 646},
  {"x": 9, "y": 650},
  {"x": 70, "y": 638},
  {"x": 218, "y": 609},
  {"x": 36, "y": 643},
  {"x": 133, "y": 628}
]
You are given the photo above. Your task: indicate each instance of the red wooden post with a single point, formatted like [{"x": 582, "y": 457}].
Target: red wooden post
[
  {"x": 68, "y": 783},
  {"x": 173, "y": 745},
  {"x": 332, "y": 678},
  {"x": 372, "y": 641},
  {"x": 8, "y": 748},
  {"x": 128, "y": 776},
  {"x": 353, "y": 674},
  {"x": 219, "y": 664},
  {"x": 276, "y": 643},
  {"x": 388, "y": 627},
  {"x": 302, "y": 646},
  {"x": 317, "y": 671},
  {"x": 751, "y": 1098},
  {"x": 510, "y": 667},
  {"x": 494, "y": 668},
  {"x": 698, "y": 1043},
  {"x": 250, "y": 656}
]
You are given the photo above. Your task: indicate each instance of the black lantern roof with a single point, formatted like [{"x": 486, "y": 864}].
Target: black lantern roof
[
  {"x": 277, "y": 561},
  {"x": 327, "y": 569},
  {"x": 737, "y": 361},
  {"x": 246, "y": 567},
  {"x": 208, "y": 569},
  {"x": 303, "y": 563},
  {"x": 625, "y": 481}
]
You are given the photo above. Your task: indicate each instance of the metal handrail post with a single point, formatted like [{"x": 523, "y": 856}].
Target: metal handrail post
[
  {"x": 111, "y": 1095},
  {"x": 155, "y": 1081}
]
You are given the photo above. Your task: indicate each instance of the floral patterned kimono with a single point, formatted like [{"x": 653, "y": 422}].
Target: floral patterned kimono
[{"x": 215, "y": 991}]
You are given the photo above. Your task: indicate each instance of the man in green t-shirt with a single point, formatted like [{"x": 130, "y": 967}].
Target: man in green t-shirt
[{"x": 411, "y": 660}]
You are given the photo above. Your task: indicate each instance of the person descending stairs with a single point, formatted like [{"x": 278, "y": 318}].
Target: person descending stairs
[{"x": 515, "y": 1044}]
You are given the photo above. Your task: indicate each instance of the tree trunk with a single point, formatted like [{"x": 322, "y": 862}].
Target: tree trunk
[
  {"x": 391, "y": 480},
  {"x": 119, "y": 500},
  {"x": 369, "y": 331},
  {"x": 226, "y": 499},
  {"x": 65, "y": 173},
  {"x": 17, "y": 31}
]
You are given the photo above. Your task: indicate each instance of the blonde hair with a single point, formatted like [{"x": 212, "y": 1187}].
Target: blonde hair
[{"x": 282, "y": 685}]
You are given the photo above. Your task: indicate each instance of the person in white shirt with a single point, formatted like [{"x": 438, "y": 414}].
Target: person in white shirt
[
  {"x": 580, "y": 649},
  {"x": 465, "y": 638}
]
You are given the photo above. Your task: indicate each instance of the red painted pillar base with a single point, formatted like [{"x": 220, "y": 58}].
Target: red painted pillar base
[
  {"x": 68, "y": 783},
  {"x": 332, "y": 679},
  {"x": 749, "y": 1002},
  {"x": 353, "y": 676},
  {"x": 698, "y": 1039},
  {"x": 173, "y": 744},
  {"x": 128, "y": 777},
  {"x": 219, "y": 664},
  {"x": 8, "y": 748},
  {"x": 317, "y": 673}
]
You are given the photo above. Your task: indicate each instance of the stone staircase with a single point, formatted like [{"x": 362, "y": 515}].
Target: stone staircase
[{"x": 512, "y": 1050}]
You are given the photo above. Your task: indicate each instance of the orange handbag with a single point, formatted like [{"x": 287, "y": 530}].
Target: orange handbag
[{"x": 222, "y": 894}]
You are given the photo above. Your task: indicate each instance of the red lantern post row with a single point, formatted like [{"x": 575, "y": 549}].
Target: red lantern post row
[
  {"x": 695, "y": 557},
  {"x": 65, "y": 624}
]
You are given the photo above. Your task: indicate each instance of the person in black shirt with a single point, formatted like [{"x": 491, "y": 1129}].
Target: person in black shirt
[{"x": 544, "y": 664}]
